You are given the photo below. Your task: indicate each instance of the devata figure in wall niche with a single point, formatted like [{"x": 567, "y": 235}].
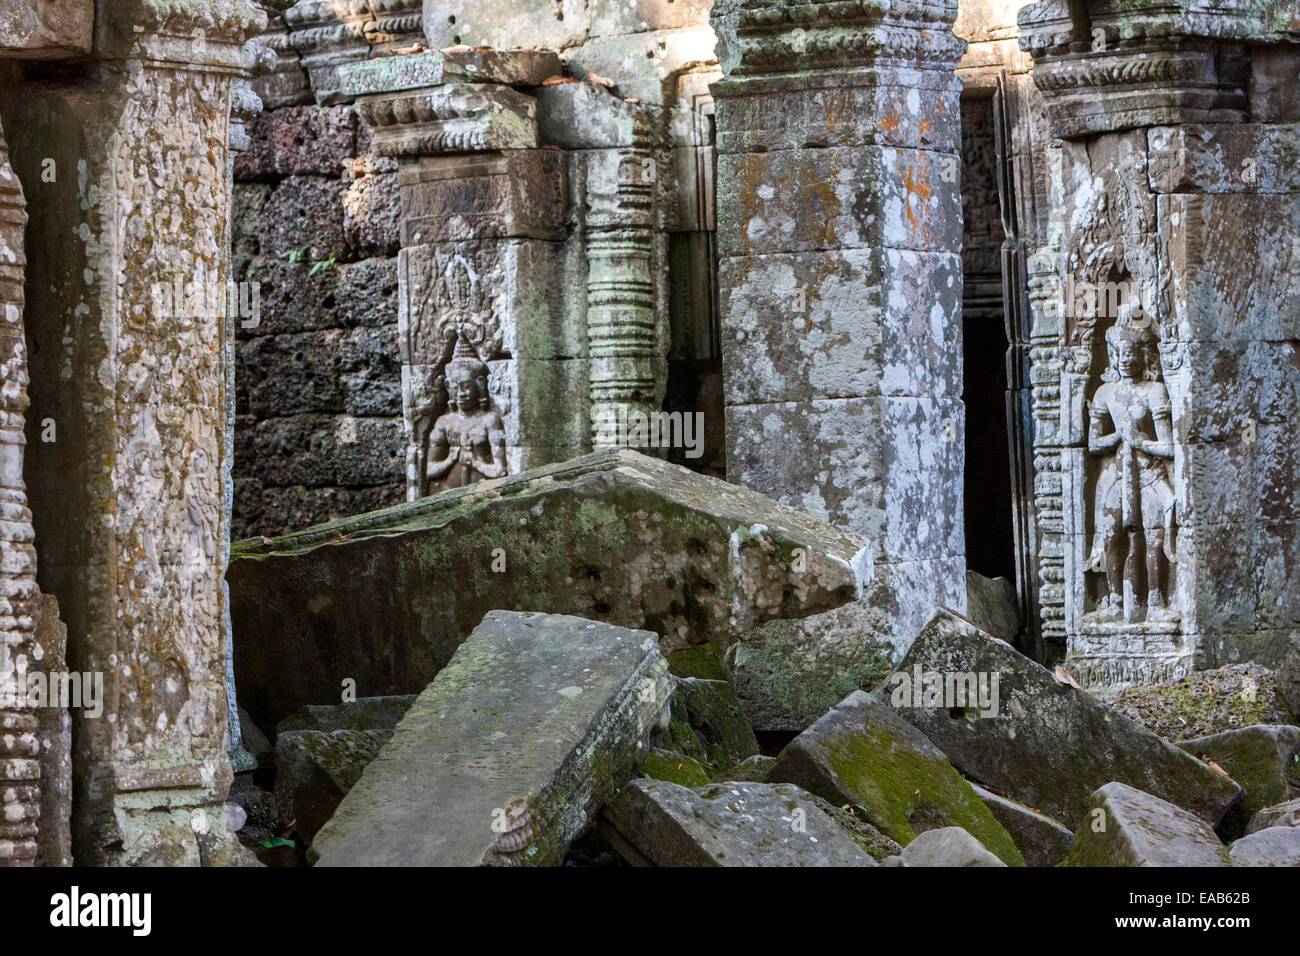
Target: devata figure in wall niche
[
  {"x": 468, "y": 442},
  {"x": 1130, "y": 427}
]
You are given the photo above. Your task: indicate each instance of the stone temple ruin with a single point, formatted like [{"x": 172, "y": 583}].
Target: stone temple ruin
[{"x": 726, "y": 362}]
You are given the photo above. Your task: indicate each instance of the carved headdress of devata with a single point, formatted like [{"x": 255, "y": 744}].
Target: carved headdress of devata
[
  {"x": 466, "y": 363},
  {"x": 1133, "y": 324}
]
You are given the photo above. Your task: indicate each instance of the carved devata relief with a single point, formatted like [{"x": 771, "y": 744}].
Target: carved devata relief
[
  {"x": 456, "y": 432},
  {"x": 1130, "y": 433}
]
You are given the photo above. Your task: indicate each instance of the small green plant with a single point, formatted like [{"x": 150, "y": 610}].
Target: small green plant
[
  {"x": 294, "y": 255},
  {"x": 321, "y": 264}
]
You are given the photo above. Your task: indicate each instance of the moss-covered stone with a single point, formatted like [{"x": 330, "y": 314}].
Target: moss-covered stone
[
  {"x": 753, "y": 769},
  {"x": 1206, "y": 702},
  {"x": 676, "y": 768},
  {"x": 708, "y": 725},
  {"x": 1264, "y": 759},
  {"x": 705, "y": 661},
  {"x": 1126, "y": 827},
  {"x": 864, "y": 755}
]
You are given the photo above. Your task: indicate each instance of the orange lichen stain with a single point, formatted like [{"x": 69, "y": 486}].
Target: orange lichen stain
[
  {"x": 891, "y": 122},
  {"x": 918, "y": 188}
]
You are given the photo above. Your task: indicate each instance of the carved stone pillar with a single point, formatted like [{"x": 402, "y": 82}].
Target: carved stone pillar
[
  {"x": 839, "y": 229},
  {"x": 135, "y": 384},
  {"x": 483, "y": 293},
  {"x": 20, "y": 794},
  {"x": 1179, "y": 152}
]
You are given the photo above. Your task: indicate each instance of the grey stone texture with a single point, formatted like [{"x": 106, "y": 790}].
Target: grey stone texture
[
  {"x": 1264, "y": 759},
  {"x": 1041, "y": 840},
  {"x": 508, "y": 754},
  {"x": 727, "y": 824},
  {"x": 947, "y": 846},
  {"x": 1127, "y": 827},
  {"x": 864, "y": 755},
  {"x": 1273, "y": 846},
  {"x": 1048, "y": 744}
]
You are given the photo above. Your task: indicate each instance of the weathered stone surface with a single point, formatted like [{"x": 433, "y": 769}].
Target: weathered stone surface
[
  {"x": 788, "y": 673},
  {"x": 644, "y": 65},
  {"x": 1205, "y": 702},
  {"x": 269, "y": 511},
  {"x": 372, "y": 216},
  {"x": 614, "y": 535},
  {"x": 708, "y": 725},
  {"x": 1264, "y": 759},
  {"x": 536, "y": 721},
  {"x": 457, "y": 117},
  {"x": 506, "y": 23},
  {"x": 728, "y": 824},
  {"x": 314, "y": 770},
  {"x": 753, "y": 768},
  {"x": 991, "y": 606},
  {"x": 435, "y": 67},
  {"x": 305, "y": 216},
  {"x": 46, "y": 29},
  {"x": 518, "y": 193},
  {"x": 1273, "y": 846},
  {"x": 54, "y": 833},
  {"x": 674, "y": 767},
  {"x": 1050, "y": 745},
  {"x": 864, "y": 754},
  {"x": 853, "y": 821},
  {"x": 1134, "y": 828},
  {"x": 1041, "y": 840},
  {"x": 586, "y": 116},
  {"x": 1283, "y": 815},
  {"x": 947, "y": 846},
  {"x": 297, "y": 141},
  {"x": 365, "y": 713}
]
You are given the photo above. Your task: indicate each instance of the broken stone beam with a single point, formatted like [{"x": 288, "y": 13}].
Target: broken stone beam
[
  {"x": 1041, "y": 740},
  {"x": 537, "y": 721},
  {"x": 385, "y": 598},
  {"x": 655, "y": 823}
]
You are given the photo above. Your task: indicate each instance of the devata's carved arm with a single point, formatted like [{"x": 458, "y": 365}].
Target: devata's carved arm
[
  {"x": 1099, "y": 441},
  {"x": 443, "y": 455},
  {"x": 497, "y": 468},
  {"x": 1163, "y": 446}
]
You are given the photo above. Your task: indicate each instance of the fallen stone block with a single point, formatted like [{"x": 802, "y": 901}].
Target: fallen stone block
[
  {"x": 853, "y": 822},
  {"x": 1041, "y": 840},
  {"x": 947, "y": 846},
  {"x": 613, "y": 536},
  {"x": 1272, "y": 846},
  {"x": 1205, "y": 702},
  {"x": 1126, "y": 827},
  {"x": 1264, "y": 759},
  {"x": 1008, "y": 722},
  {"x": 316, "y": 769},
  {"x": 726, "y": 824},
  {"x": 1283, "y": 815},
  {"x": 865, "y": 755},
  {"x": 364, "y": 713},
  {"x": 788, "y": 673},
  {"x": 991, "y": 605},
  {"x": 537, "y": 720},
  {"x": 708, "y": 725}
]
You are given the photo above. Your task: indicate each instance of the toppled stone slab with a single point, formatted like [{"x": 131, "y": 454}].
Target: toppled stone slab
[
  {"x": 537, "y": 720},
  {"x": 853, "y": 821},
  {"x": 1273, "y": 846},
  {"x": 865, "y": 755},
  {"x": 1132, "y": 828},
  {"x": 991, "y": 606},
  {"x": 1041, "y": 740},
  {"x": 1205, "y": 702},
  {"x": 364, "y": 713},
  {"x": 385, "y": 598},
  {"x": 727, "y": 824},
  {"x": 1264, "y": 759},
  {"x": 1283, "y": 815},
  {"x": 316, "y": 769},
  {"x": 1041, "y": 840},
  {"x": 947, "y": 846},
  {"x": 708, "y": 725}
]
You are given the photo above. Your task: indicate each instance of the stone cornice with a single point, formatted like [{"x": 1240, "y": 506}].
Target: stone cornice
[
  {"x": 769, "y": 36},
  {"x": 454, "y": 118},
  {"x": 208, "y": 33}
]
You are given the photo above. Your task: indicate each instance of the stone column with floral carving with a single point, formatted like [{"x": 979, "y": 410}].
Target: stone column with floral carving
[{"x": 129, "y": 259}]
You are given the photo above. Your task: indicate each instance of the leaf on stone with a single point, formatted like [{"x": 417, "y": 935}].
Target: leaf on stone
[
  {"x": 600, "y": 80},
  {"x": 557, "y": 80},
  {"x": 1063, "y": 677},
  {"x": 1215, "y": 766}
]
